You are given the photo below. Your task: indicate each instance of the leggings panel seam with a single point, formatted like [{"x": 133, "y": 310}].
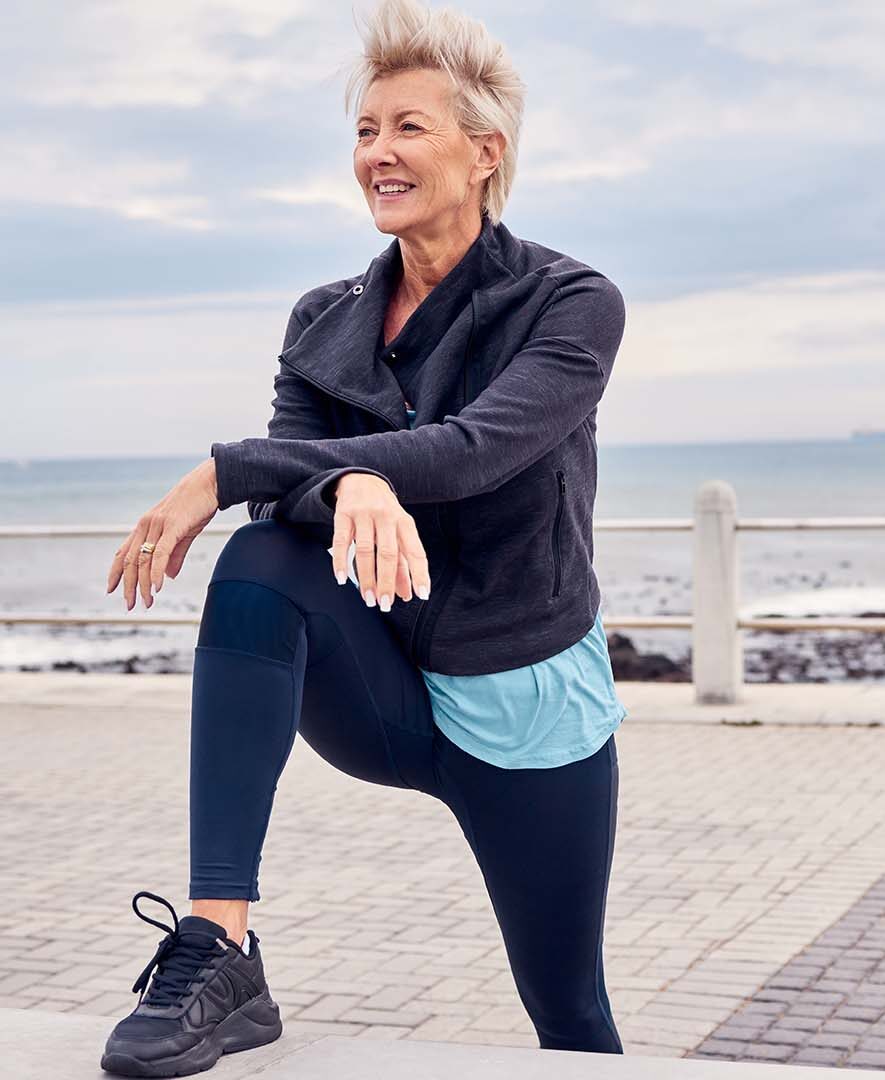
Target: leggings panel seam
[
  {"x": 610, "y": 842},
  {"x": 286, "y": 751},
  {"x": 262, "y": 585},
  {"x": 244, "y": 652}
]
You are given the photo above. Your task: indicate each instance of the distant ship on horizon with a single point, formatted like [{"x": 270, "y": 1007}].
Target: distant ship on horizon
[{"x": 868, "y": 434}]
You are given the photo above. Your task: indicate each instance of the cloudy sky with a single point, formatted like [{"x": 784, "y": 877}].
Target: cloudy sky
[{"x": 175, "y": 174}]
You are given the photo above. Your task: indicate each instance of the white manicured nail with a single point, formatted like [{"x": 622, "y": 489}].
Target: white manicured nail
[
  {"x": 385, "y": 602},
  {"x": 422, "y": 591},
  {"x": 370, "y": 598},
  {"x": 341, "y": 576}
]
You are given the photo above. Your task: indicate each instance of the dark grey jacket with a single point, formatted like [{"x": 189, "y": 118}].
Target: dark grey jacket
[{"x": 505, "y": 362}]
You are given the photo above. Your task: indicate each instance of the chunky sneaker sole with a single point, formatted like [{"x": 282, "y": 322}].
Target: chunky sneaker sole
[
  {"x": 254, "y": 1024},
  {"x": 207, "y": 998}
]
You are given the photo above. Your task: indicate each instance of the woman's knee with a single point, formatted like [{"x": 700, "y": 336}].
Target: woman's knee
[
  {"x": 254, "y": 600},
  {"x": 251, "y": 617},
  {"x": 241, "y": 553},
  {"x": 260, "y": 549}
]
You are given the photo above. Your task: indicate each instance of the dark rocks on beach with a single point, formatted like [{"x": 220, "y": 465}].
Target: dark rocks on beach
[
  {"x": 156, "y": 664},
  {"x": 628, "y": 664},
  {"x": 799, "y": 657}
]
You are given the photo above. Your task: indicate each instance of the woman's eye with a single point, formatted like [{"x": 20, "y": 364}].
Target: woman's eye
[{"x": 408, "y": 123}]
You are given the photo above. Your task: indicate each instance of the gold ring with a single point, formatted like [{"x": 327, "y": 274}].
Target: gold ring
[{"x": 147, "y": 548}]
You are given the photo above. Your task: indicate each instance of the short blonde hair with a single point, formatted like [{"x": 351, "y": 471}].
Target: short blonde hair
[{"x": 402, "y": 35}]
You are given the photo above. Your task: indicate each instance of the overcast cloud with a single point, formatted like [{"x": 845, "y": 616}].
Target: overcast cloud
[{"x": 174, "y": 175}]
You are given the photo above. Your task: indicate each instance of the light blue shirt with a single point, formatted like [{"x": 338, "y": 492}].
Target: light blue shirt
[{"x": 535, "y": 717}]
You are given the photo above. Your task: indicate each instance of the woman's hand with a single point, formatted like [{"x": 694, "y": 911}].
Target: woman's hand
[
  {"x": 367, "y": 511},
  {"x": 172, "y": 525}
]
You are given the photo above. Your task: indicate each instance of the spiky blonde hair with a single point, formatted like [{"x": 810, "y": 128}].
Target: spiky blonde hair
[{"x": 402, "y": 35}]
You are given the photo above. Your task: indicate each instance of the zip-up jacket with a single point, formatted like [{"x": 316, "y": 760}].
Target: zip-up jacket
[{"x": 505, "y": 362}]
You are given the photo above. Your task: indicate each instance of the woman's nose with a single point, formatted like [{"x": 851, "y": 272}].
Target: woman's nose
[{"x": 380, "y": 150}]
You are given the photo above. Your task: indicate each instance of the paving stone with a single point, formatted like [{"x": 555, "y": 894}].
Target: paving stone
[
  {"x": 732, "y": 1029},
  {"x": 818, "y": 1055},
  {"x": 866, "y": 1060},
  {"x": 785, "y": 1036},
  {"x": 329, "y": 1007},
  {"x": 844, "y": 1027},
  {"x": 832, "y": 1038},
  {"x": 799, "y": 1023},
  {"x": 769, "y": 1052},
  {"x": 732, "y": 1048},
  {"x": 806, "y": 1008}
]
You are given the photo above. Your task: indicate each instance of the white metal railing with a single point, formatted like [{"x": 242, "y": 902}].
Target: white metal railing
[{"x": 717, "y": 644}]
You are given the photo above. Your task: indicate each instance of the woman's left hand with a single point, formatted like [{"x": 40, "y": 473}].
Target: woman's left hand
[{"x": 172, "y": 525}]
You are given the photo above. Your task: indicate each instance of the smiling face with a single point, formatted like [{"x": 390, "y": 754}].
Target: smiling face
[{"x": 406, "y": 131}]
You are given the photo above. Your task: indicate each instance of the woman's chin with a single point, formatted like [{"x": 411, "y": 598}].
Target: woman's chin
[{"x": 388, "y": 218}]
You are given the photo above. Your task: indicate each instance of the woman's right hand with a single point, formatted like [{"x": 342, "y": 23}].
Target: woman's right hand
[{"x": 368, "y": 512}]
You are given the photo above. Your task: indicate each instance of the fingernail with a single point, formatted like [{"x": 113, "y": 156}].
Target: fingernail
[
  {"x": 422, "y": 591},
  {"x": 385, "y": 602},
  {"x": 341, "y": 576},
  {"x": 370, "y": 598}
]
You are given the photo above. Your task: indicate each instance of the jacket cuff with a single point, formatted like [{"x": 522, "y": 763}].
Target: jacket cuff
[
  {"x": 327, "y": 488},
  {"x": 314, "y": 500},
  {"x": 229, "y": 474}
]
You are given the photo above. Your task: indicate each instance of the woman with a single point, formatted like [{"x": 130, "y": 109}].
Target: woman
[{"x": 437, "y": 415}]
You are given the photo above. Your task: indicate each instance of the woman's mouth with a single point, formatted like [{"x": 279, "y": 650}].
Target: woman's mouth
[{"x": 393, "y": 195}]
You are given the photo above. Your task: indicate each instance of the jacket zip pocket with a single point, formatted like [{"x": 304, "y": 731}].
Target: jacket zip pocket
[
  {"x": 419, "y": 642},
  {"x": 557, "y": 553},
  {"x": 422, "y": 640}
]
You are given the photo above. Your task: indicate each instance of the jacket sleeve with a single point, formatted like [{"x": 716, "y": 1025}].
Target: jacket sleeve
[
  {"x": 546, "y": 390},
  {"x": 299, "y": 412}
]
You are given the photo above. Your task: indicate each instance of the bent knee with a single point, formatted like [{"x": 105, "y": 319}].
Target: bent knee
[
  {"x": 258, "y": 549},
  {"x": 251, "y": 617}
]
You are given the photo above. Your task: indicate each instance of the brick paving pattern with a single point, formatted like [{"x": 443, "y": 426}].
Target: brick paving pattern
[
  {"x": 744, "y": 854},
  {"x": 826, "y": 1007}
]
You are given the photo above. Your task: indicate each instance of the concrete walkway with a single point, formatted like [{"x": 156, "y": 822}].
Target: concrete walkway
[
  {"x": 745, "y": 920},
  {"x": 35, "y": 1045}
]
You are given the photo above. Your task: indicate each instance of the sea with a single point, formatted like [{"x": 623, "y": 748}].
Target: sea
[{"x": 805, "y": 573}]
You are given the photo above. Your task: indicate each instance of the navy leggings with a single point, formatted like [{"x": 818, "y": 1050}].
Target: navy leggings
[{"x": 283, "y": 648}]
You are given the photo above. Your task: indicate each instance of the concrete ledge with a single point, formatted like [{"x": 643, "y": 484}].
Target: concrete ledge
[
  {"x": 829, "y": 704},
  {"x": 344, "y": 1058},
  {"x": 38, "y": 1045}
]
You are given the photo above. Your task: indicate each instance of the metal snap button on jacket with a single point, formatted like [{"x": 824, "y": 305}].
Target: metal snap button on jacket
[{"x": 358, "y": 289}]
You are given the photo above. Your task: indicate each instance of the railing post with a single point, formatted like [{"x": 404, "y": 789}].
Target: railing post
[{"x": 717, "y": 646}]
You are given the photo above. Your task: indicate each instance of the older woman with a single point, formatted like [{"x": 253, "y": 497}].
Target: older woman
[{"x": 436, "y": 415}]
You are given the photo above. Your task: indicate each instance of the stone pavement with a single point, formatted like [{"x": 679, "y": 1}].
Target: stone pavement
[{"x": 746, "y": 912}]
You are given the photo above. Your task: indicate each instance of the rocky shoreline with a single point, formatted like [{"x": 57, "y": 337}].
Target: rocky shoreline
[{"x": 833, "y": 656}]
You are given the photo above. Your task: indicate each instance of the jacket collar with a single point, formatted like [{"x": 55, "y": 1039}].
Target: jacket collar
[{"x": 339, "y": 351}]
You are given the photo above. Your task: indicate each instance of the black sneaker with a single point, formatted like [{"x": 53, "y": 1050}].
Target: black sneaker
[{"x": 207, "y": 998}]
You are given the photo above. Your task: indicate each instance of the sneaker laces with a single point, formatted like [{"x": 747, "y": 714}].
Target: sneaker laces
[{"x": 177, "y": 959}]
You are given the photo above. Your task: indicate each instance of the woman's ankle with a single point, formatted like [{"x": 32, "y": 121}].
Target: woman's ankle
[{"x": 233, "y": 915}]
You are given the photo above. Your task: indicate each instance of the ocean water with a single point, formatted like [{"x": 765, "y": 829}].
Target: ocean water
[{"x": 819, "y": 572}]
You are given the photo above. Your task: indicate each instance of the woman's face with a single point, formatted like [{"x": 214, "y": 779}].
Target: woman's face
[{"x": 405, "y": 131}]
